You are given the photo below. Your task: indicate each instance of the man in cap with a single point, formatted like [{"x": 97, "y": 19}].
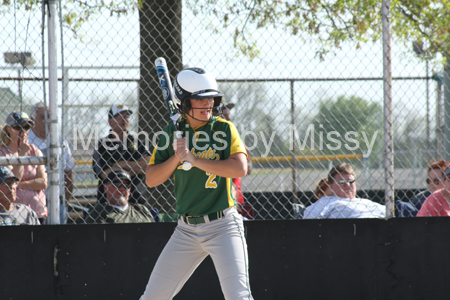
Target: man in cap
[
  {"x": 38, "y": 137},
  {"x": 117, "y": 186},
  {"x": 121, "y": 151},
  {"x": 13, "y": 213}
]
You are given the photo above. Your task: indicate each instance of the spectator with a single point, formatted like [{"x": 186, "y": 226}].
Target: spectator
[
  {"x": 339, "y": 199},
  {"x": 435, "y": 181},
  {"x": 322, "y": 196},
  {"x": 223, "y": 111},
  {"x": 117, "y": 185},
  {"x": 37, "y": 137},
  {"x": 121, "y": 151},
  {"x": 437, "y": 204},
  {"x": 12, "y": 213},
  {"x": 322, "y": 189},
  {"x": 32, "y": 178}
]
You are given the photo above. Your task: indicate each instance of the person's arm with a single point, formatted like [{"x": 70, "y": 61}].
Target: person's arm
[
  {"x": 159, "y": 173},
  {"x": 68, "y": 184},
  {"x": 133, "y": 167},
  {"x": 38, "y": 183},
  {"x": 24, "y": 150},
  {"x": 232, "y": 167}
]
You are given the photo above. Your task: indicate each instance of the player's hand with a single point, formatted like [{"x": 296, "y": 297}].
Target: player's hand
[{"x": 182, "y": 152}]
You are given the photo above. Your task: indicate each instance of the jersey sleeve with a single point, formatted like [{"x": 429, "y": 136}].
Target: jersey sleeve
[
  {"x": 163, "y": 150},
  {"x": 236, "y": 146}
]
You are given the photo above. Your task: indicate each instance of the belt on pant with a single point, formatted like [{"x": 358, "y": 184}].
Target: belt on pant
[{"x": 191, "y": 220}]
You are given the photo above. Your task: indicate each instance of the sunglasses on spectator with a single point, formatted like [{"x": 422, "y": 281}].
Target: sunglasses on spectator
[
  {"x": 18, "y": 128},
  {"x": 435, "y": 180},
  {"x": 124, "y": 116},
  {"x": 343, "y": 181},
  {"x": 119, "y": 184}
]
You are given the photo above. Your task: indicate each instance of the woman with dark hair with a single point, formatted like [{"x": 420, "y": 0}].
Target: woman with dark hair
[{"x": 32, "y": 178}]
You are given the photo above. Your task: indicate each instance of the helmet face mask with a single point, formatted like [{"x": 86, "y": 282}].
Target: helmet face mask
[{"x": 197, "y": 84}]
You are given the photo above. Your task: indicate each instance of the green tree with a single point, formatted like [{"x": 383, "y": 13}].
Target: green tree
[
  {"x": 351, "y": 121},
  {"x": 410, "y": 143},
  {"x": 258, "y": 113},
  {"x": 330, "y": 23}
]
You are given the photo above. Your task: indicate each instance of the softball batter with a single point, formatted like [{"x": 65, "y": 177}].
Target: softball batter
[{"x": 208, "y": 221}]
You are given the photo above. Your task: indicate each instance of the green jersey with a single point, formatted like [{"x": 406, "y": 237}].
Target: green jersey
[{"x": 198, "y": 192}]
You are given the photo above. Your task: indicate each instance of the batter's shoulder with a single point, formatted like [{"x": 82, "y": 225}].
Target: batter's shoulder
[{"x": 220, "y": 124}]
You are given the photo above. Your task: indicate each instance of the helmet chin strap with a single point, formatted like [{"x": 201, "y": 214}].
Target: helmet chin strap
[{"x": 196, "y": 118}]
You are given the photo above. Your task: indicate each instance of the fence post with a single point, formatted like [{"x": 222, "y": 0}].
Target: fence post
[
  {"x": 54, "y": 150},
  {"x": 439, "y": 141},
  {"x": 446, "y": 85},
  {"x": 388, "y": 119},
  {"x": 294, "y": 158}
]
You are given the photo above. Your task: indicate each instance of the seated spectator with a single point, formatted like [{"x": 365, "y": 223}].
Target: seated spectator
[
  {"x": 122, "y": 151},
  {"x": 322, "y": 189},
  {"x": 32, "y": 178},
  {"x": 12, "y": 213},
  {"x": 37, "y": 137},
  {"x": 117, "y": 185},
  {"x": 435, "y": 181},
  {"x": 338, "y": 198},
  {"x": 437, "y": 204}
]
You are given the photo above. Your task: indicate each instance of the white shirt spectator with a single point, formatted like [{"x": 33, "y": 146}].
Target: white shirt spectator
[
  {"x": 42, "y": 145},
  {"x": 332, "y": 207}
]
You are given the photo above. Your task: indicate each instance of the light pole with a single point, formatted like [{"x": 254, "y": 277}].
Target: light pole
[{"x": 25, "y": 59}]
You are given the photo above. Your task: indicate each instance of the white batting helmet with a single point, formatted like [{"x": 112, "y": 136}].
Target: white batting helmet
[{"x": 195, "y": 83}]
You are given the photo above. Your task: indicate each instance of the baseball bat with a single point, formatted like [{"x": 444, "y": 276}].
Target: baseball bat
[{"x": 166, "y": 87}]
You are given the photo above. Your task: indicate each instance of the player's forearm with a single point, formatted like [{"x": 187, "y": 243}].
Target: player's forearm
[
  {"x": 159, "y": 173},
  {"x": 232, "y": 167}
]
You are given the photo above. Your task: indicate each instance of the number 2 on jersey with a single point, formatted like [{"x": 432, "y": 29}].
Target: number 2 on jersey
[{"x": 210, "y": 183}]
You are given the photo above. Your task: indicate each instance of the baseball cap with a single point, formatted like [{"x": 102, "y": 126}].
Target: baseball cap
[
  {"x": 117, "y": 109},
  {"x": 218, "y": 110},
  {"x": 18, "y": 118},
  {"x": 118, "y": 175},
  {"x": 6, "y": 173},
  {"x": 227, "y": 105}
]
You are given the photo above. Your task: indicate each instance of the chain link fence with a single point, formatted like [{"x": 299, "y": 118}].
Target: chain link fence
[{"x": 299, "y": 113}]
